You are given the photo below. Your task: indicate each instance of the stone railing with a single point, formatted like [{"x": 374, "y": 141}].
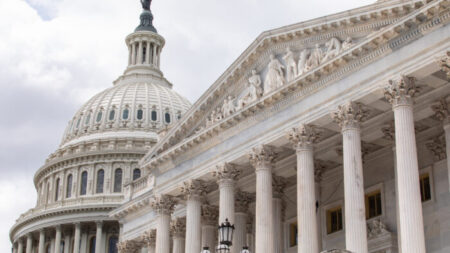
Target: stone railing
[{"x": 138, "y": 187}]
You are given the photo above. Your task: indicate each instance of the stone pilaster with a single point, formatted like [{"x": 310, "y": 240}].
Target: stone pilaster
[
  {"x": 278, "y": 186},
  {"x": 349, "y": 117},
  {"x": 179, "y": 233},
  {"x": 163, "y": 206},
  {"x": 442, "y": 112},
  {"x": 250, "y": 237},
  {"x": 194, "y": 191},
  {"x": 210, "y": 216},
  {"x": 226, "y": 175},
  {"x": 58, "y": 239},
  {"x": 400, "y": 94},
  {"x": 243, "y": 199},
  {"x": 262, "y": 159}
]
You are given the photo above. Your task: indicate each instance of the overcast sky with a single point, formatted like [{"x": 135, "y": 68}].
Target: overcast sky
[{"x": 56, "y": 54}]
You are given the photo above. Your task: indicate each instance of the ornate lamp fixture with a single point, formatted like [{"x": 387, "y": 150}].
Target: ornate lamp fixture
[
  {"x": 225, "y": 237},
  {"x": 205, "y": 250},
  {"x": 245, "y": 250}
]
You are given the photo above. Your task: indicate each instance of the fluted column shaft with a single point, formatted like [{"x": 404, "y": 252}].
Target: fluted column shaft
[
  {"x": 226, "y": 204},
  {"x": 400, "y": 94},
  {"x": 133, "y": 53},
  {"x": 178, "y": 244},
  {"x": 67, "y": 243},
  {"x": 349, "y": 117},
  {"x": 58, "y": 240},
  {"x": 76, "y": 241},
  {"x": 209, "y": 232},
  {"x": 42, "y": 241},
  {"x": 240, "y": 233},
  {"x": 98, "y": 237},
  {"x": 20, "y": 247},
  {"x": 29, "y": 243},
  {"x": 151, "y": 249},
  {"x": 278, "y": 224},
  {"x": 193, "y": 224},
  {"x": 163, "y": 233},
  {"x": 303, "y": 138}
]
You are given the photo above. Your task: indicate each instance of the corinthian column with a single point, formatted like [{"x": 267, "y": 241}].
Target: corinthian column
[
  {"x": 278, "y": 185},
  {"x": 41, "y": 241},
  {"x": 29, "y": 243},
  {"x": 76, "y": 240},
  {"x": 349, "y": 117},
  {"x": 98, "y": 237},
  {"x": 149, "y": 238},
  {"x": 441, "y": 109},
  {"x": 303, "y": 139},
  {"x": 210, "y": 217},
  {"x": 163, "y": 206},
  {"x": 58, "y": 239},
  {"x": 194, "y": 191},
  {"x": 243, "y": 199},
  {"x": 20, "y": 247},
  {"x": 400, "y": 94},
  {"x": 262, "y": 159},
  {"x": 226, "y": 174},
  {"x": 178, "y": 230}
]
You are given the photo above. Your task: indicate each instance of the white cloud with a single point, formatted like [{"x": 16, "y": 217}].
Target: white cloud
[{"x": 56, "y": 54}]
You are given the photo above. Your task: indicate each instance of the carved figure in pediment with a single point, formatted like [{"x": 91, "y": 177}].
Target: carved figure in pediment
[
  {"x": 216, "y": 115},
  {"x": 302, "y": 66},
  {"x": 253, "y": 91},
  {"x": 348, "y": 43},
  {"x": 291, "y": 65},
  {"x": 315, "y": 58},
  {"x": 275, "y": 75},
  {"x": 334, "y": 47},
  {"x": 228, "y": 106}
]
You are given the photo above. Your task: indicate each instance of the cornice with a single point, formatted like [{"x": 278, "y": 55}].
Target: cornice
[{"x": 374, "y": 46}]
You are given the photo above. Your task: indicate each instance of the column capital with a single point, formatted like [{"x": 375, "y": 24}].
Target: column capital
[
  {"x": 194, "y": 188},
  {"x": 349, "y": 115},
  {"x": 164, "y": 204},
  {"x": 243, "y": 200},
  {"x": 437, "y": 147},
  {"x": 149, "y": 237},
  {"x": 58, "y": 228},
  {"x": 226, "y": 171},
  {"x": 441, "y": 110},
  {"x": 278, "y": 185},
  {"x": 444, "y": 63},
  {"x": 128, "y": 246},
  {"x": 178, "y": 227},
  {"x": 401, "y": 91},
  {"x": 389, "y": 131},
  {"x": 99, "y": 223},
  {"x": 262, "y": 157},
  {"x": 210, "y": 214},
  {"x": 303, "y": 137}
]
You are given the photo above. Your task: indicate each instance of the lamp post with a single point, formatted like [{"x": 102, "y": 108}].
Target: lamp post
[{"x": 225, "y": 237}]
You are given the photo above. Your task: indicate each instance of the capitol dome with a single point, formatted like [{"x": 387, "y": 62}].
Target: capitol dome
[{"x": 139, "y": 108}]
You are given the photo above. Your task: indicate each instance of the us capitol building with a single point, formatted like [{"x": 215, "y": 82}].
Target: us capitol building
[{"x": 327, "y": 135}]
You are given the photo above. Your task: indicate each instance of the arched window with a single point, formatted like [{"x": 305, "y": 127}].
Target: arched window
[
  {"x": 69, "y": 186},
  {"x": 140, "y": 114},
  {"x": 99, "y": 116},
  {"x": 154, "y": 116},
  {"x": 112, "y": 114},
  {"x": 92, "y": 245},
  {"x": 84, "y": 176},
  {"x": 88, "y": 118},
  {"x": 136, "y": 174},
  {"x": 125, "y": 114},
  {"x": 78, "y": 122},
  {"x": 112, "y": 244},
  {"x": 118, "y": 180},
  {"x": 100, "y": 180},
  {"x": 57, "y": 189},
  {"x": 167, "y": 117}
]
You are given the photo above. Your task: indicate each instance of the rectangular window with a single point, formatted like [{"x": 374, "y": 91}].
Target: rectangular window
[
  {"x": 334, "y": 220},
  {"x": 373, "y": 204},
  {"x": 293, "y": 234},
  {"x": 425, "y": 187}
]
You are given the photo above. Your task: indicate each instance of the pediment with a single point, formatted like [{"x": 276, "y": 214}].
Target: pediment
[{"x": 284, "y": 60}]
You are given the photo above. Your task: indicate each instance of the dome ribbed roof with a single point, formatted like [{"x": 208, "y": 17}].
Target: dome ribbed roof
[{"x": 128, "y": 108}]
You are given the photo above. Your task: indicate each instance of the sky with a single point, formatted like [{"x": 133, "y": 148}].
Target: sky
[{"x": 56, "y": 54}]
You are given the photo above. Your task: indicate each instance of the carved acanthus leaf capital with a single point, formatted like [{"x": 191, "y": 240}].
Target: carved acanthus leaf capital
[
  {"x": 129, "y": 246},
  {"x": 441, "y": 110},
  {"x": 262, "y": 157},
  {"x": 444, "y": 63},
  {"x": 349, "y": 115},
  {"x": 243, "y": 200},
  {"x": 437, "y": 147},
  {"x": 278, "y": 186},
  {"x": 178, "y": 227},
  {"x": 388, "y": 131},
  {"x": 210, "y": 214},
  {"x": 149, "y": 237},
  {"x": 194, "y": 188},
  {"x": 303, "y": 137},
  {"x": 226, "y": 171},
  {"x": 164, "y": 204},
  {"x": 401, "y": 91}
]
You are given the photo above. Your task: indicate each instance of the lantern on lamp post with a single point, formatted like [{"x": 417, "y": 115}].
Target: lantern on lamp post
[{"x": 225, "y": 237}]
